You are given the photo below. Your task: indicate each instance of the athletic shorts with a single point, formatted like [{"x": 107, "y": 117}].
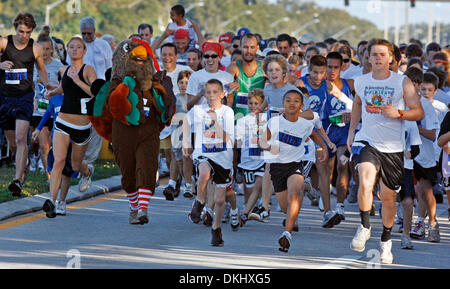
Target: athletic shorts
[
  {"x": 221, "y": 177},
  {"x": 178, "y": 153},
  {"x": 250, "y": 175},
  {"x": 307, "y": 165},
  {"x": 389, "y": 165},
  {"x": 338, "y": 136},
  {"x": 426, "y": 173},
  {"x": 36, "y": 119},
  {"x": 79, "y": 134},
  {"x": 13, "y": 108},
  {"x": 407, "y": 189},
  {"x": 280, "y": 173},
  {"x": 67, "y": 170}
]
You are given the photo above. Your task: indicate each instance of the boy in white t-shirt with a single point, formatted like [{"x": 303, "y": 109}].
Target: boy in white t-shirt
[
  {"x": 285, "y": 139},
  {"x": 180, "y": 22},
  {"x": 213, "y": 125}
]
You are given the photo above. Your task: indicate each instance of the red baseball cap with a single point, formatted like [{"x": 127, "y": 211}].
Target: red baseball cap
[
  {"x": 181, "y": 34},
  {"x": 225, "y": 38}
]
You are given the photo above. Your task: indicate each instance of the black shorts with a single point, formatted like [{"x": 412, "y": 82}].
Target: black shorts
[
  {"x": 36, "y": 119},
  {"x": 407, "y": 189},
  {"x": 425, "y": 173},
  {"x": 280, "y": 173},
  {"x": 250, "y": 175},
  {"x": 389, "y": 165},
  {"x": 79, "y": 135},
  {"x": 220, "y": 176},
  {"x": 13, "y": 108}
]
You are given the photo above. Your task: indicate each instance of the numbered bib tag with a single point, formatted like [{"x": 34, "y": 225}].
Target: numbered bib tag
[
  {"x": 242, "y": 99},
  {"x": 43, "y": 105},
  {"x": 254, "y": 134},
  {"x": 14, "y": 76},
  {"x": 83, "y": 106}
]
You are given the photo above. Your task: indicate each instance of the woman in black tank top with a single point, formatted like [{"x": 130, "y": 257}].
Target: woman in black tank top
[{"x": 72, "y": 125}]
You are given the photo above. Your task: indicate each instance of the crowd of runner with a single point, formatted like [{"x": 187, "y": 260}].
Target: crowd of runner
[{"x": 254, "y": 117}]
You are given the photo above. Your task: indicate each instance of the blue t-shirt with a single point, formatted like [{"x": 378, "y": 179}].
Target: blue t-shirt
[{"x": 317, "y": 97}]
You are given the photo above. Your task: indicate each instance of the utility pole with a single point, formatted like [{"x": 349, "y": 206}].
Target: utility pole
[{"x": 406, "y": 22}]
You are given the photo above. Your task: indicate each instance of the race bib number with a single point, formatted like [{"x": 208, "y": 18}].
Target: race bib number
[
  {"x": 14, "y": 76},
  {"x": 83, "y": 106},
  {"x": 289, "y": 139},
  {"x": 43, "y": 104},
  {"x": 242, "y": 100}
]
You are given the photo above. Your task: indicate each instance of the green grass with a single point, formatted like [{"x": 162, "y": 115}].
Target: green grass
[{"x": 36, "y": 182}]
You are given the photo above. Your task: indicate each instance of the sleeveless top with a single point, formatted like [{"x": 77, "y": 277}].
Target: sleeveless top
[
  {"x": 384, "y": 134},
  {"x": 334, "y": 106},
  {"x": 17, "y": 81},
  {"x": 247, "y": 84},
  {"x": 317, "y": 97},
  {"x": 75, "y": 98}
]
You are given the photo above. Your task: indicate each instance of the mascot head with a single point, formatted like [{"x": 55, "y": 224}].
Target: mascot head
[{"x": 134, "y": 57}]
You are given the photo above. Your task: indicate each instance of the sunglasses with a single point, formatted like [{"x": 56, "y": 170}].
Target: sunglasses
[
  {"x": 346, "y": 60},
  {"x": 86, "y": 33},
  {"x": 235, "y": 45},
  {"x": 213, "y": 56}
]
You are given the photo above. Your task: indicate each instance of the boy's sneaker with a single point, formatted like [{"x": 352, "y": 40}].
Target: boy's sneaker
[
  {"x": 49, "y": 208},
  {"x": 243, "y": 218},
  {"x": 261, "y": 215},
  {"x": 433, "y": 233},
  {"x": 418, "y": 232},
  {"x": 386, "y": 256},
  {"x": 133, "y": 219},
  {"x": 329, "y": 219},
  {"x": 406, "y": 242},
  {"x": 340, "y": 214},
  {"x": 295, "y": 228},
  {"x": 358, "y": 243},
  {"x": 142, "y": 216},
  {"x": 169, "y": 193},
  {"x": 226, "y": 213},
  {"x": 188, "y": 193},
  {"x": 234, "y": 222},
  {"x": 196, "y": 211},
  {"x": 61, "y": 208},
  {"x": 285, "y": 241},
  {"x": 216, "y": 239},
  {"x": 15, "y": 188},
  {"x": 85, "y": 182},
  {"x": 208, "y": 217}
]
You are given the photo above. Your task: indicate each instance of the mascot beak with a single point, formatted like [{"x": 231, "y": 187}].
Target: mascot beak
[{"x": 139, "y": 52}]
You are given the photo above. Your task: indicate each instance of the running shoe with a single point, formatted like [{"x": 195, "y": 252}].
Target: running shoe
[
  {"x": 358, "y": 243},
  {"x": 418, "y": 232},
  {"x": 49, "y": 208},
  {"x": 61, "y": 208},
  {"x": 133, "y": 219},
  {"x": 85, "y": 182},
  {"x": 234, "y": 222},
  {"x": 340, "y": 214},
  {"x": 188, "y": 191},
  {"x": 207, "y": 217},
  {"x": 329, "y": 219},
  {"x": 406, "y": 242},
  {"x": 169, "y": 193},
  {"x": 243, "y": 218},
  {"x": 295, "y": 228},
  {"x": 196, "y": 210},
  {"x": 262, "y": 215},
  {"x": 386, "y": 256},
  {"x": 142, "y": 216},
  {"x": 15, "y": 188},
  {"x": 433, "y": 233},
  {"x": 216, "y": 239},
  {"x": 285, "y": 241}
]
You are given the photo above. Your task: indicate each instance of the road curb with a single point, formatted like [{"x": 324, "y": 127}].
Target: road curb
[{"x": 32, "y": 204}]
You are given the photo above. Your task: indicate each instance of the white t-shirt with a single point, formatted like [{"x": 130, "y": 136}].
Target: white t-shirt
[
  {"x": 442, "y": 97},
  {"x": 199, "y": 78},
  {"x": 310, "y": 146},
  {"x": 441, "y": 110},
  {"x": 207, "y": 143},
  {"x": 426, "y": 156},
  {"x": 353, "y": 72},
  {"x": 52, "y": 73},
  {"x": 247, "y": 131},
  {"x": 290, "y": 137},
  {"x": 412, "y": 138},
  {"x": 174, "y": 76},
  {"x": 384, "y": 134}
]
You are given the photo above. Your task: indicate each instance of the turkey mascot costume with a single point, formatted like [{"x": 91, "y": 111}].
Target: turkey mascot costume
[{"x": 130, "y": 109}]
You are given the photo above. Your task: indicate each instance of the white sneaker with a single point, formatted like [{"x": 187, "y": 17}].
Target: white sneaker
[
  {"x": 358, "y": 243},
  {"x": 61, "y": 208},
  {"x": 85, "y": 182},
  {"x": 386, "y": 256}
]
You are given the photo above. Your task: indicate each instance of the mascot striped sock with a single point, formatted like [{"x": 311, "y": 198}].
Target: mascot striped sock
[
  {"x": 133, "y": 200},
  {"x": 144, "y": 197}
]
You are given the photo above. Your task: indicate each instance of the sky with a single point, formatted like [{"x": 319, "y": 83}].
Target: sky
[{"x": 374, "y": 9}]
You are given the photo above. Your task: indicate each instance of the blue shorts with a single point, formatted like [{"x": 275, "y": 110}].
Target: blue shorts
[
  {"x": 338, "y": 136},
  {"x": 13, "y": 108}
]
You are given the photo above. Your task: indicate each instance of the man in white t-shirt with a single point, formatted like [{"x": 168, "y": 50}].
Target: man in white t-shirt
[{"x": 380, "y": 102}]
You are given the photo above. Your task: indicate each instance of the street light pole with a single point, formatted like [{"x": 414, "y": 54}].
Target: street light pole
[
  {"x": 315, "y": 20},
  {"x": 192, "y": 6},
  {"x": 284, "y": 19},
  {"x": 49, "y": 7},
  {"x": 343, "y": 31}
]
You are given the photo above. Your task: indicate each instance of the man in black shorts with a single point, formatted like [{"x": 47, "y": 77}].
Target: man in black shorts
[
  {"x": 19, "y": 53},
  {"x": 380, "y": 102}
]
